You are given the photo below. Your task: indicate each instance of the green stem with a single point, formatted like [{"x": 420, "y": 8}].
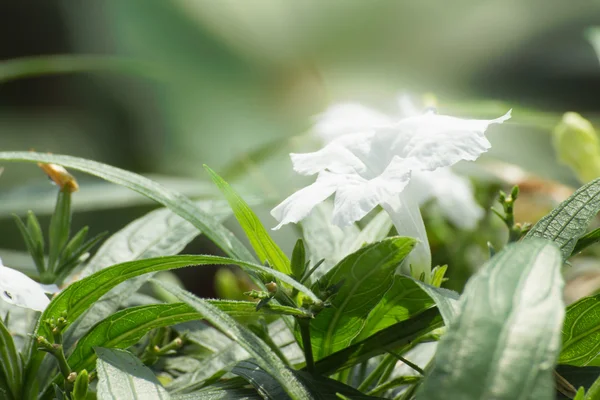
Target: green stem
[
  {"x": 306, "y": 344},
  {"x": 409, "y": 363},
  {"x": 63, "y": 365},
  {"x": 401, "y": 380},
  {"x": 376, "y": 373}
]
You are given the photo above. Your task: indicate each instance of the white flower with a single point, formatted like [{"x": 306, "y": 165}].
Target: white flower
[
  {"x": 374, "y": 165},
  {"x": 453, "y": 193},
  {"x": 18, "y": 289}
]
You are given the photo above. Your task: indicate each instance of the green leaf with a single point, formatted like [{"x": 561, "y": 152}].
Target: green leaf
[
  {"x": 331, "y": 243},
  {"x": 60, "y": 228},
  {"x": 403, "y": 300},
  {"x": 158, "y": 233},
  {"x": 298, "y": 262},
  {"x": 390, "y": 338},
  {"x": 127, "y": 327},
  {"x": 80, "y": 295},
  {"x": 507, "y": 335},
  {"x": 175, "y": 201},
  {"x": 586, "y": 240},
  {"x": 258, "y": 349},
  {"x": 10, "y": 363},
  {"x": 121, "y": 376},
  {"x": 266, "y": 249},
  {"x": 366, "y": 275},
  {"x": 569, "y": 221},
  {"x": 322, "y": 388},
  {"x": 35, "y": 232},
  {"x": 581, "y": 333},
  {"x": 445, "y": 300}
]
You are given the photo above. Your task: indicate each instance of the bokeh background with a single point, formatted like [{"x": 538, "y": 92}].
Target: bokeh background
[{"x": 162, "y": 87}]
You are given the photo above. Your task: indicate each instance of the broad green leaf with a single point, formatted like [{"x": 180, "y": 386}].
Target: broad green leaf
[
  {"x": 569, "y": 221},
  {"x": 258, "y": 349},
  {"x": 266, "y": 249},
  {"x": 126, "y": 327},
  {"x": 366, "y": 274},
  {"x": 403, "y": 300},
  {"x": 331, "y": 243},
  {"x": 122, "y": 376},
  {"x": 219, "y": 394},
  {"x": 507, "y": 334},
  {"x": 173, "y": 200},
  {"x": 581, "y": 333},
  {"x": 10, "y": 363},
  {"x": 322, "y": 388},
  {"x": 158, "y": 233},
  {"x": 586, "y": 240},
  {"x": 390, "y": 338}
]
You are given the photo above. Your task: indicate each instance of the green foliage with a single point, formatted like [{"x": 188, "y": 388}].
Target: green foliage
[
  {"x": 122, "y": 376},
  {"x": 266, "y": 249},
  {"x": 508, "y": 330},
  {"x": 363, "y": 278},
  {"x": 569, "y": 221},
  {"x": 11, "y": 369},
  {"x": 581, "y": 339}
]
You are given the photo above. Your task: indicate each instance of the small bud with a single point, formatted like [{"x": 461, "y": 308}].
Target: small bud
[
  {"x": 514, "y": 194},
  {"x": 576, "y": 145},
  {"x": 60, "y": 176},
  {"x": 72, "y": 377},
  {"x": 81, "y": 386},
  {"x": 271, "y": 287},
  {"x": 156, "y": 349},
  {"x": 178, "y": 342}
]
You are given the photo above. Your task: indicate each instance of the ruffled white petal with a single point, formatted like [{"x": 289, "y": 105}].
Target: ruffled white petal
[
  {"x": 18, "y": 289},
  {"x": 298, "y": 205},
  {"x": 344, "y": 118},
  {"x": 453, "y": 194}
]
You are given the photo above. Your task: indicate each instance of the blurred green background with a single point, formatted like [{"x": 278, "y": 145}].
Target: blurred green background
[{"x": 162, "y": 87}]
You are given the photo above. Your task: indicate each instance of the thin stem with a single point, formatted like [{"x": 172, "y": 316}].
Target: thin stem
[
  {"x": 401, "y": 380},
  {"x": 376, "y": 373},
  {"x": 409, "y": 363},
  {"x": 306, "y": 344},
  {"x": 59, "y": 354}
]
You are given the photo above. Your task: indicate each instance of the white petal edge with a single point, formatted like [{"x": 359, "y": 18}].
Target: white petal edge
[
  {"x": 18, "y": 289},
  {"x": 343, "y": 118},
  {"x": 297, "y": 206}
]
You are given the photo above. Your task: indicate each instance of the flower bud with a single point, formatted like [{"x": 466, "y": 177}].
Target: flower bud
[
  {"x": 60, "y": 176},
  {"x": 81, "y": 386},
  {"x": 577, "y": 145}
]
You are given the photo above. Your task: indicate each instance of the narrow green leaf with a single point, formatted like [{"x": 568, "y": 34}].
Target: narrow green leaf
[
  {"x": 390, "y": 338},
  {"x": 10, "y": 363},
  {"x": 403, "y": 300},
  {"x": 60, "y": 228},
  {"x": 80, "y": 295},
  {"x": 569, "y": 221},
  {"x": 258, "y": 349},
  {"x": 507, "y": 335},
  {"x": 366, "y": 274},
  {"x": 581, "y": 333},
  {"x": 121, "y": 376},
  {"x": 35, "y": 232},
  {"x": 127, "y": 327},
  {"x": 175, "y": 201},
  {"x": 266, "y": 249},
  {"x": 586, "y": 241},
  {"x": 32, "y": 247},
  {"x": 158, "y": 233}
]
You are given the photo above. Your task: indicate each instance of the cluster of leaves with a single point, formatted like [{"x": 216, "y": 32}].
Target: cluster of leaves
[{"x": 356, "y": 331}]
